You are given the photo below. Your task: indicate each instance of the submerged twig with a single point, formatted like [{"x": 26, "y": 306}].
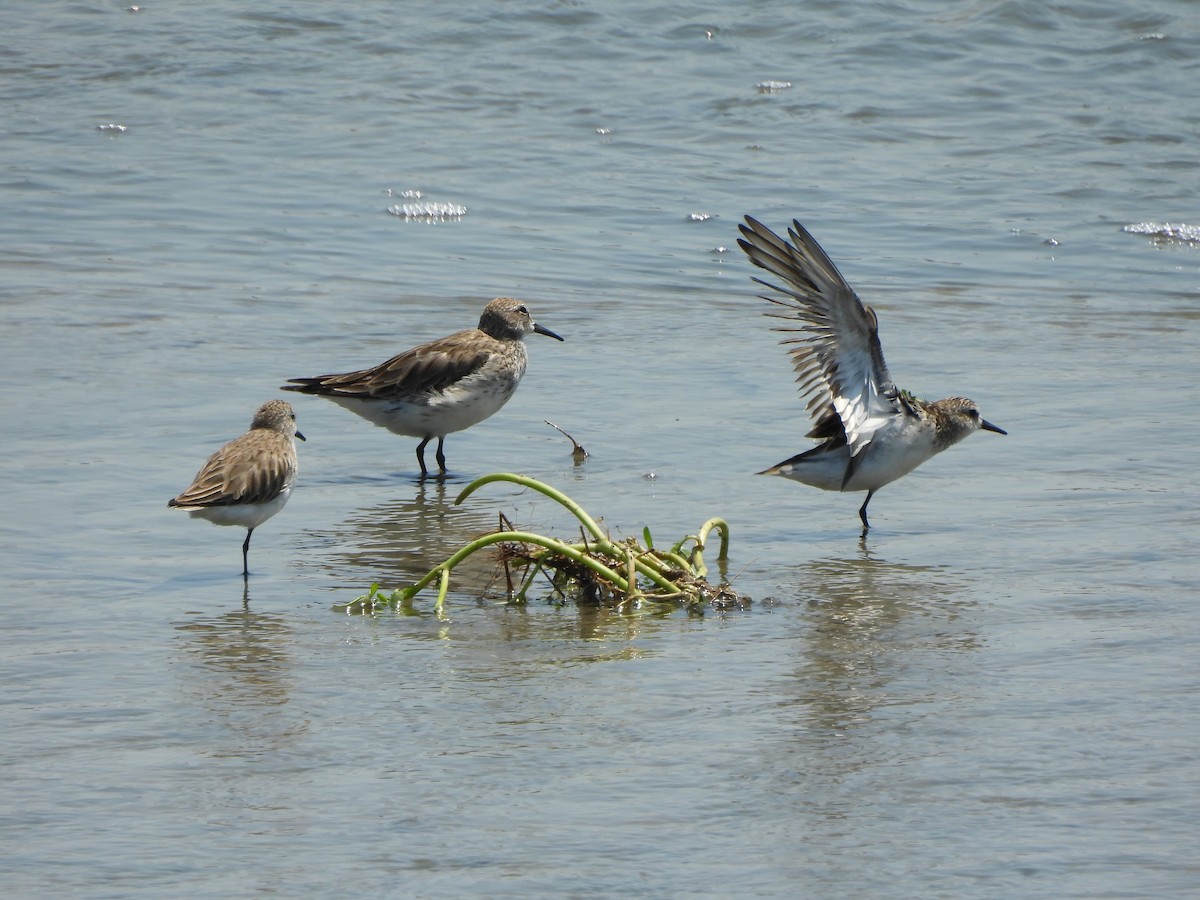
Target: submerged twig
[{"x": 577, "y": 452}]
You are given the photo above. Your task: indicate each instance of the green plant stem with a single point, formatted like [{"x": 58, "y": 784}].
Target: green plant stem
[
  {"x": 675, "y": 559},
  {"x": 443, "y": 588},
  {"x": 604, "y": 544},
  {"x": 533, "y": 573},
  {"x": 575, "y": 509},
  {"x": 523, "y": 537},
  {"x": 722, "y": 528},
  {"x": 701, "y": 539}
]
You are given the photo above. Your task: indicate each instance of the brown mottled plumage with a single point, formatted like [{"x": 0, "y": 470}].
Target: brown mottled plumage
[
  {"x": 249, "y": 479},
  {"x": 446, "y": 385}
]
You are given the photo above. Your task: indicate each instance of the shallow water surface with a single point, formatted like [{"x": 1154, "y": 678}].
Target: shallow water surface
[{"x": 992, "y": 694}]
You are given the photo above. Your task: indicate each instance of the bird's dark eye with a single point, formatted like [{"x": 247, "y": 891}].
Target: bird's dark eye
[
  {"x": 522, "y": 310},
  {"x": 973, "y": 413}
]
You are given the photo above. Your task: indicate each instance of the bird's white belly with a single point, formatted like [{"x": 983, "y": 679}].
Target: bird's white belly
[
  {"x": 884, "y": 464},
  {"x": 892, "y": 454},
  {"x": 247, "y": 515},
  {"x": 456, "y": 408}
]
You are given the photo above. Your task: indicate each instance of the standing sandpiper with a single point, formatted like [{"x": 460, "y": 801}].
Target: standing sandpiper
[
  {"x": 249, "y": 479},
  {"x": 871, "y": 432},
  {"x": 443, "y": 386}
]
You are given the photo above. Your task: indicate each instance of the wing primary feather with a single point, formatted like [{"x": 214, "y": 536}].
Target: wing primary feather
[{"x": 832, "y": 337}]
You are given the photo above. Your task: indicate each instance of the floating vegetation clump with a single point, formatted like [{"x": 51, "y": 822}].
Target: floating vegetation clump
[{"x": 624, "y": 574}]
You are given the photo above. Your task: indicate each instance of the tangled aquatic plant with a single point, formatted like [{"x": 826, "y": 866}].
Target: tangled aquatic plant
[{"x": 624, "y": 574}]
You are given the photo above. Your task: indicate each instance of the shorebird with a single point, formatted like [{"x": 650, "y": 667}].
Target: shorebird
[
  {"x": 440, "y": 387},
  {"x": 249, "y": 479},
  {"x": 871, "y": 432}
]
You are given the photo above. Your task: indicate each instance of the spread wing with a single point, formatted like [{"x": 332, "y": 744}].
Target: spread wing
[
  {"x": 426, "y": 369},
  {"x": 838, "y": 361},
  {"x": 254, "y": 468}
]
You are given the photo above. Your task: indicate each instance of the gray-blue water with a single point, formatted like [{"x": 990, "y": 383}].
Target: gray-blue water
[{"x": 993, "y": 695}]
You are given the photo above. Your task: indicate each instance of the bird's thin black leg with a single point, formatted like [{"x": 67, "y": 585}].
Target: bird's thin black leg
[
  {"x": 246, "y": 554},
  {"x": 862, "y": 512},
  {"x": 421, "y": 454},
  {"x": 441, "y": 457}
]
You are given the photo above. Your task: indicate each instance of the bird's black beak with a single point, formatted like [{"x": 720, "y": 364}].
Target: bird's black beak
[
  {"x": 988, "y": 426},
  {"x": 546, "y": 331},
  {"x": 301, "y": 437}
]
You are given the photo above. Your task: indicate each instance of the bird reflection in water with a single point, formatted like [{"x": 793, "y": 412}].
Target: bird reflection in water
[
  {"x": 238, "y": 667},
  {"x": 395, "y": 542},
  {"x": 873, "y": 623}
]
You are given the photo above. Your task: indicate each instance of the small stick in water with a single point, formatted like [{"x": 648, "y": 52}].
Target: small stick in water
[{"x": 578, "y": 453}]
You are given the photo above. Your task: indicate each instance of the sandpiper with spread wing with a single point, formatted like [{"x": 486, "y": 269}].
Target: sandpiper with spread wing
[
  {"x": 249, "y": 479},
  {"x": 871, "y": 432},
  {"x": 440, "y": 387}
]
